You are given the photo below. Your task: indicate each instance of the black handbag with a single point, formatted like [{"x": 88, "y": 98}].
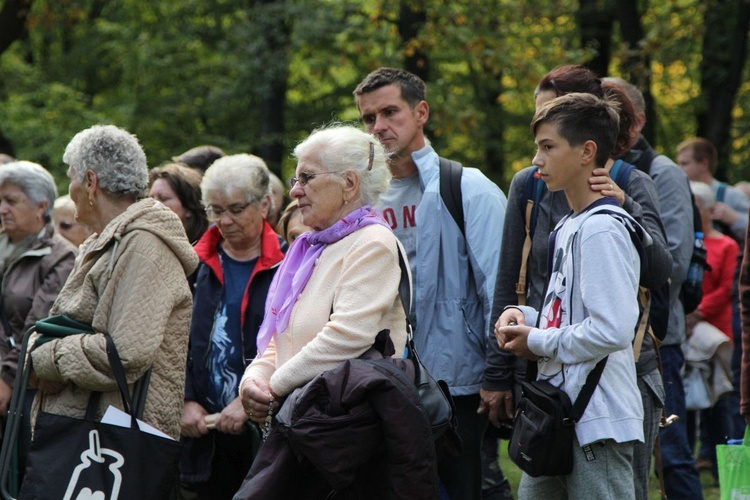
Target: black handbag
[
  {"x": 434, "y": 394},
  {"x": 541, "y": 442},
  {"x": 74, "y": 458}
]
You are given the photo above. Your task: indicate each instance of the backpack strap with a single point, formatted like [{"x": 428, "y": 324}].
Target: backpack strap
[
  {"x": 721, "y": 192},
  {"x": 644, "y": 294},
  {"x": 450, "y": 190},
  {"x": 620, "y": 173},
  {"x": 644, "y": 299},
  {"x": 532, "y": 194}
]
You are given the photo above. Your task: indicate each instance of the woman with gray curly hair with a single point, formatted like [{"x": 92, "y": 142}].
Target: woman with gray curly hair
[
  {"x": 129, "y": 283},
  {"x": 239, "y": 256},
  {"x": 35, "y": 261}
]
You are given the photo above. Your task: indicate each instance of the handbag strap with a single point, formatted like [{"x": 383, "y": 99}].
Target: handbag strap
[
  {"x": 404, "y": 292},
  {"x": 122, "y": 384}
]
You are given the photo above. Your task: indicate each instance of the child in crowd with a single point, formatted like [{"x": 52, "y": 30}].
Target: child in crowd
[{"x": 590, "y": 309}]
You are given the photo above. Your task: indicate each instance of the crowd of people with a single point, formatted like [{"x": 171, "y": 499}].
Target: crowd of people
[{"x": 239, "y": 308}]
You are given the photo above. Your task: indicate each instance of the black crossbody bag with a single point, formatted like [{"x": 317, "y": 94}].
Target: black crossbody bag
[{"x": 541, "y": 443}]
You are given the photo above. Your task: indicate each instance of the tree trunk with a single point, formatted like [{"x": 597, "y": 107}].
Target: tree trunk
[
  {"x": 637, "y": 66},
  {"x": 724, "y": 48},
  {"x": 411, "y": 19},
  {"x": 13, "y": 22},
  {"x": 12, "y": 27},
  {"x": 595, "y": 20},
  {"x": 488, "y": 90},
  {"x": 273, "y": 91}
]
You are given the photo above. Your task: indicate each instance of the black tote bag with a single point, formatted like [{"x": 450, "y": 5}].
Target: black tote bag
[{"x": 74, "y": 458}]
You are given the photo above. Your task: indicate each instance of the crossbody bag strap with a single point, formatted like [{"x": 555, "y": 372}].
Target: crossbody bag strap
[{"x": 587, "y": 391}]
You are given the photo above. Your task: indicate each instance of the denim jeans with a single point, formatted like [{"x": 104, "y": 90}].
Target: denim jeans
[{"x": 681, "y": 479}]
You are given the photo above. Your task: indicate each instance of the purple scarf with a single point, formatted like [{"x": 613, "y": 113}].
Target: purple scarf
[{"x": 298, "y": 265}]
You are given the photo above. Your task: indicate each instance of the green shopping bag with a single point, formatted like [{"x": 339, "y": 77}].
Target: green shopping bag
[{"x": 734, "y": 469}]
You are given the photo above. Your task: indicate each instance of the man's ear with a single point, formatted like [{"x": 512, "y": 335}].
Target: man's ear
[
  {"x": 422, "y": 112},
  {"x": 588, "y": 153},
  {"x": 704, "y": 164}
]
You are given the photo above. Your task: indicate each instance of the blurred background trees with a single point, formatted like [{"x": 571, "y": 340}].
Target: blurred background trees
[{"x": 258, "y": 75}]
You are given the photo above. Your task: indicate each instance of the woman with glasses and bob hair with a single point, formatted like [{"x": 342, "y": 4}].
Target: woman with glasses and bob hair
[{"x": 238, "y": 255}]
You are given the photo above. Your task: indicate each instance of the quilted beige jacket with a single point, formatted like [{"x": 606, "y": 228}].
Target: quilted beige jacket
[{"x": 130, "y": 281}]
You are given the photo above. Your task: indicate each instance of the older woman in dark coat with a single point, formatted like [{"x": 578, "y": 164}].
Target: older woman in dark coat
[{"x": 34, "y": 260}]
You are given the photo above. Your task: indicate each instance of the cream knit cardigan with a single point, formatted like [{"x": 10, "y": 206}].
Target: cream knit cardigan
[{"x": 357, "y": 277}]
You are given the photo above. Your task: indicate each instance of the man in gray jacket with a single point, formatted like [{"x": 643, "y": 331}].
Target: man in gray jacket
[{"x": 681, "y": 478}]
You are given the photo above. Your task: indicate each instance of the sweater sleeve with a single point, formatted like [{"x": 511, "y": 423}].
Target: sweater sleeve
[{"x": 262, "y": 367}]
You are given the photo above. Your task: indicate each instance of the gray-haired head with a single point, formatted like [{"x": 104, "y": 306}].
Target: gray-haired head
[
  {"x": 704, "y": 195},
  {"x": 339, "y": 148},
  {"x": 242, "y": 173},
  {"x": 114, "y": 155},
  {"x": 35, "y": 182}
]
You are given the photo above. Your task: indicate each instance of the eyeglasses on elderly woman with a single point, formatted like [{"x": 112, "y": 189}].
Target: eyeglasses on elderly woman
[{"x": 304, "y": 177}]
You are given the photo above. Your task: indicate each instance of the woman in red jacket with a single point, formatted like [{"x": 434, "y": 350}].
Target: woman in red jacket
[{"x": 716, "y": 309}]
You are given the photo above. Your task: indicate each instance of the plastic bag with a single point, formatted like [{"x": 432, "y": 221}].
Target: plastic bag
[{"x": 734, "y": 469}]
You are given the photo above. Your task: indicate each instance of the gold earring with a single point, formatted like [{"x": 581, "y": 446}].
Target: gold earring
[{"x": 91, "y": 202}]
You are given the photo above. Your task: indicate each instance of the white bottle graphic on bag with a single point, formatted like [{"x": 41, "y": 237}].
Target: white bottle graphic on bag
[{"x": 95, "y": 456}]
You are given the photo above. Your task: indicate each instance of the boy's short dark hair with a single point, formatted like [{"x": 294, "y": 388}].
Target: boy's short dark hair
[
  {"x": 582, "y": 117},
  {"x": 413, "y": 89}
]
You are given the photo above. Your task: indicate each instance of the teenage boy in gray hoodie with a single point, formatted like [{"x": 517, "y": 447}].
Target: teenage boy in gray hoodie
[{"x": 590, "y": 309}]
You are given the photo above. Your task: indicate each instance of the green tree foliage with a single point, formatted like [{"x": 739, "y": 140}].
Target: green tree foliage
[{"x": 258, "y": 75}]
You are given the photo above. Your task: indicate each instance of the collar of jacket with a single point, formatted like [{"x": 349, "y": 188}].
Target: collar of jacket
[{"x": 207, "y": 249}]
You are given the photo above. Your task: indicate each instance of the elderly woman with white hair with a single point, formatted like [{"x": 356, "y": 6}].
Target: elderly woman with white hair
[
  {"x": 335, "y": 293},
  {"x": 239, "y": 256},
  {"x": 130, "y": 282},
  {"x": 35, "y": 261},
  {"x": 338, "y": 286}
]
